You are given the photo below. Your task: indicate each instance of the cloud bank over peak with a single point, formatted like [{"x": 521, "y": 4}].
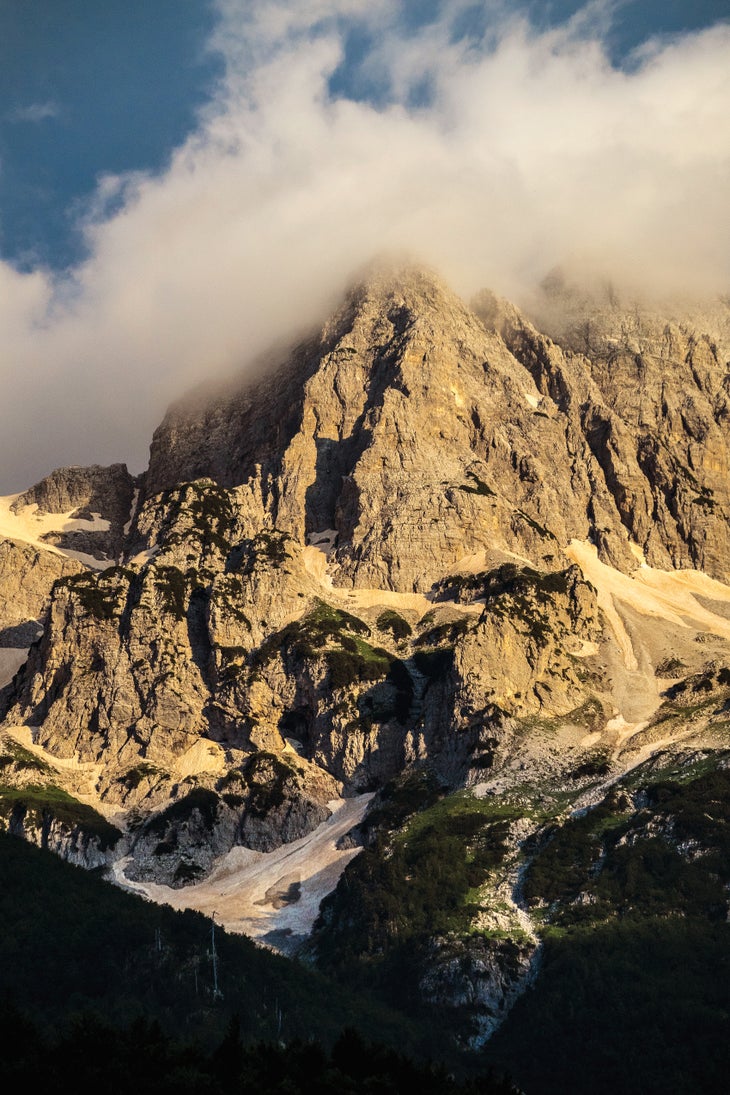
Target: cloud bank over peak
[{"x": 339, "y": 131}]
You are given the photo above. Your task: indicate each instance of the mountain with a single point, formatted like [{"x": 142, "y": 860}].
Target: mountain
[{"x": 436, "y": 604}]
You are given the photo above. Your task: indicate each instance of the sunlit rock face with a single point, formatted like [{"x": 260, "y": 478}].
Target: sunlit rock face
[{"x": 423, "y": 430}]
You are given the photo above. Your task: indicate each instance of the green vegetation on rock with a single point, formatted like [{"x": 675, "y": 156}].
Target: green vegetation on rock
[
  {"x": 200, "y": 511},
  {"x": 22, "y": 760},
  {"x": 266, "y": 777},
  {"x": 172, "y": 586},
  {"x": 269, "y": 547},
  {"x": 102, "y": 595},
  {"x": 633, "y": 993},
  {"x": 40, "y": 804},
  {"x": 335, "y": 636},
  {"x": 140, "y": 772},
  {"x": 619, "y": 859},
  {"x": 418, "y": 877},
  {"x": 394, "y": 623}
]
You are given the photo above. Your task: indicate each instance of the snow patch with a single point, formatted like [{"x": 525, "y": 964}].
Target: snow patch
[
  {"x": 89, "y": 561},
  {"x": 256, "y": 893},
  {"x": 29, "y": 526},
  {"x": 143, "y": 557},
  {"x": 663, "y": 594}
]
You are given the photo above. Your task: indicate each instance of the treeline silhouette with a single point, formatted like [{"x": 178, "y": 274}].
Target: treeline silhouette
[
  {"x": 92, "y": 1056},
  {"x": 102, "y": 990}
]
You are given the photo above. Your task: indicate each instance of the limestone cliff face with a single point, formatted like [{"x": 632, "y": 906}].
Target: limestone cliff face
[
  {"x": 71, "y": 842},
  {"x": 137, "y": 666},
  {"x": 93, "y": 508},
  {"x": 113, "y": 664},
  {"x": 27, "y": 575},
  {"x": 408, "y": 428},
  {"x": 656, "y": 405}
]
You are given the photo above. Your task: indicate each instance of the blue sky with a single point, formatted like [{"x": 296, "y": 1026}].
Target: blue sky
[
  {"x": 183, "y": 182},
  {"x": 89, "y": 88}
]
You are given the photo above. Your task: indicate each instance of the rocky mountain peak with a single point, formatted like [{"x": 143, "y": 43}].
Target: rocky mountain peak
[
  {"x": 102, "y": 490},
  {"x": 431, "y": 540},
  {"x": 408, "y": 403}
]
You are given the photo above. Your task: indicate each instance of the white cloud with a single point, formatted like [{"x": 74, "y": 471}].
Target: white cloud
[
  {"x": 34, "y": 112},
  {"x": 531, "y": 150}
]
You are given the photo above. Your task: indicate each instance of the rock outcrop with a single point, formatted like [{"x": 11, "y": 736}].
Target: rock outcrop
[
  {"x": 422, "y": 431},
  {"x": 664, "y": 374},
  {"x": 27, "y": 575},
  {"x": 482, "y": 982},
  {"x": 104, "y": 496}
]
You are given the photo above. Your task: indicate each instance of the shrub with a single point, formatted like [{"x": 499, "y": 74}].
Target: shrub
[{"x": 394, "y": 623}]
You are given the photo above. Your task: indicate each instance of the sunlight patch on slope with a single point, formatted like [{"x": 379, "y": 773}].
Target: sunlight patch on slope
[
  {"x": 316, "y": 560},
  {"x": 203, "y": 756},
  {"x": 321, "y": 546},
  {"x": 78, "y": 777}
]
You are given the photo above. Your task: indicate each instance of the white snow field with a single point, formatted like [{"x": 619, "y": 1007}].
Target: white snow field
[
  {"x": 29, "y": 526},
  {"x": 256, "y": 893}
]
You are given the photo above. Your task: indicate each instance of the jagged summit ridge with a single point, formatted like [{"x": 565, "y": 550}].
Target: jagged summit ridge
[{"x": 421, "y": 430}]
